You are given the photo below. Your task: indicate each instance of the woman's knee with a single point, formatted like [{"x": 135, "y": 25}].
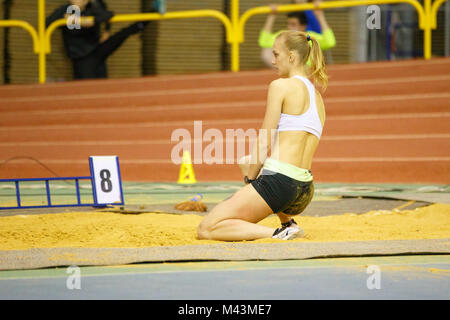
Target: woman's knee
[{"x": 203, "y": 231}]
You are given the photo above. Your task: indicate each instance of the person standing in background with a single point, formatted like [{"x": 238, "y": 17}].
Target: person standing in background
[
  {"x": 312, "y": 24},
  {"x": 87, "y": 47},
  {"x": 296, "y": 21}
]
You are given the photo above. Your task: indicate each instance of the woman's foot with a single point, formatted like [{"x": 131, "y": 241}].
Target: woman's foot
[{"x": 288, "y": 231}]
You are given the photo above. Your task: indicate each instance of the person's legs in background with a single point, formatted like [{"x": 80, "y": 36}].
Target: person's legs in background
[
  {"x": 106, "y": 48},
  {"x": 101, "y": 71},
  {"x": 85, "y": 68}
]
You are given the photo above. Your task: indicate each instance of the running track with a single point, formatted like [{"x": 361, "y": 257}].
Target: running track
[{"x": 386, "y": 122}]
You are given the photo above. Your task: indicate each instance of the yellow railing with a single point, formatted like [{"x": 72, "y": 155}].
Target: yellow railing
[
  {"x": 150, "y": 16},
  {"x": 433, "y": 14},
  {"x": 24, "y": 25},
  {"x": 422, "y": 15},
  {"x": 234, "y": 27}
]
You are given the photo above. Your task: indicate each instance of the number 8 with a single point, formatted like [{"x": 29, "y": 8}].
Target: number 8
[{"x": 105, "y": 184}]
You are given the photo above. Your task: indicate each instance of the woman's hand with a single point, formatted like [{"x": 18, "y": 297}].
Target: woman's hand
[
  {"x": 104, "y": 37},
  {"x": 273, "y": 8},
  {"x": 85, "y": 22},
  {"x": 316, "y": 4}
]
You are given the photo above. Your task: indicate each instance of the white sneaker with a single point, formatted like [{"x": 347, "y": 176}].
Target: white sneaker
[{"x": 288, "y": 233}]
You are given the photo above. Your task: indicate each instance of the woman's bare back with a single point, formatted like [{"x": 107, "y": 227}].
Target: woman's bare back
[{"x": 297, "y": 147}]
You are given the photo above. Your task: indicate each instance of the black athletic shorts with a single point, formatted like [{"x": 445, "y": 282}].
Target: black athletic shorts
[{"x": 282, "y": 193}]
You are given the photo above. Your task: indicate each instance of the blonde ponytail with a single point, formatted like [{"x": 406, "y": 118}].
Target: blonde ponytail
[
  {"x": 318, "y": 68},
  {"x": 300, "y": 41}
]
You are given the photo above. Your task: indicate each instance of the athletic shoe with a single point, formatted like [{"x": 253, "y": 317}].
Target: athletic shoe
[{"x": 288, "y": 233}]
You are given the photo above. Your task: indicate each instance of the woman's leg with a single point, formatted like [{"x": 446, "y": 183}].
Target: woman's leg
[
  {"x": 244, "y": 164},
  {"x": 109, "y": 46},
  {"x": 84, "y": 68},
  {"x": 235, "y": 219},
  {"x": 283, "y": 217}
]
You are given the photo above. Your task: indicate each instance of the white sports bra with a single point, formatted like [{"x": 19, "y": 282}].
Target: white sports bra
[{"x": 308, "y": 121}]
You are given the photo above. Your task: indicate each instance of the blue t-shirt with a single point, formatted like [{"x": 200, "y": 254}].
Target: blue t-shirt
[{"x": 313, "y": 24}]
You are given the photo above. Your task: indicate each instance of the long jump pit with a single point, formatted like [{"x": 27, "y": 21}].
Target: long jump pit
[{"x": 357, "y": 220}]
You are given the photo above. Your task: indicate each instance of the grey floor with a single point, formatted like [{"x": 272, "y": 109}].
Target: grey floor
[{"x": 399, "y": 277}]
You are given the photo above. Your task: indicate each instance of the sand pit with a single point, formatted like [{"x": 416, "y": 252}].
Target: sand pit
[{"x": 94, "y": 229}]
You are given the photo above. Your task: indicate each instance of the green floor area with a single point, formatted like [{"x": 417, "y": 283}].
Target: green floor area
[
  {"x": 139, "y": 193},
  {"x": 211, "y": 266}
]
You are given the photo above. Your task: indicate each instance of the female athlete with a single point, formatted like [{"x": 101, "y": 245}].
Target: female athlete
[{"x": 278, "y": 177}]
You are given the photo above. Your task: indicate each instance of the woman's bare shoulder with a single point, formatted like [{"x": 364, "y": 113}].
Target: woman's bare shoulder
[
  {"x": 279, "y": 85},
  {"x": 280, "y": 82}
]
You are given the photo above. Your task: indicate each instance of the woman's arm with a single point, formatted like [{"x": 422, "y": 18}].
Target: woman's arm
[
  {"x": 262, "y": 146},
  {"x": 326, "y": 39},
  {"x": 270, "y": 19},
  {"x": 321, "y": 17},
  {"x": 266, "y": 37},
  {"x": 57, "y": 14}
]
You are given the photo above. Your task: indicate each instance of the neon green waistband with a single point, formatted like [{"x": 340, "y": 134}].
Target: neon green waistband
[{"x": 289, "y": 170}]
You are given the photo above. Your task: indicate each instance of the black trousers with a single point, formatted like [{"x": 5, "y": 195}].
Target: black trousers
[{"x": 93, "y": 66}]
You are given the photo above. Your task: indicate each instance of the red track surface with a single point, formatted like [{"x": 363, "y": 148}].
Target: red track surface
[{"x": 386, "y": 122}]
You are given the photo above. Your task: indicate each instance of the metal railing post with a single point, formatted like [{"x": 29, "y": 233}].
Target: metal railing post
[
  {"x": 235, "y": 58},
  {"x": 41, "y": 31}
]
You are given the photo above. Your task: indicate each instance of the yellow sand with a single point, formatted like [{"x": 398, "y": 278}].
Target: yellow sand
[{"x": 105, "y": 229}]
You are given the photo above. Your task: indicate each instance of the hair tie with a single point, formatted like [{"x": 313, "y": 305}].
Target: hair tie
[{"x": 308, "y": 38}]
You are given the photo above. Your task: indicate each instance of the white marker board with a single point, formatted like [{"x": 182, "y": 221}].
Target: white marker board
[{"x": 106, "y": 182}]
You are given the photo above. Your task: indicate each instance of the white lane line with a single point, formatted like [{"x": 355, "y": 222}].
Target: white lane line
[
  {"x": 323, "y": 160},
  {"x": 226, "y": 89},
  {"x": 226, "y": 105},
  {"x": 393, "y": 97},
  {"x": 224, "y": 75},
  {"x": 382, "y": 159},
  {"x": 148, "y": 79},
  {"x": 156, "y": 108},
  {"x": 389, "y": 65},
  {"x": 388, "y": 80},
  {"x": 387, "y": 137},
  {"x": 426, "y": 115},
  {"x": 169, "y": 142},
  {"x": 189, "y": 123}
]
